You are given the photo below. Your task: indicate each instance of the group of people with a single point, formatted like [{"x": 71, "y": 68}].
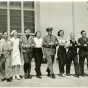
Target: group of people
[{"x": 15, "y": 52}]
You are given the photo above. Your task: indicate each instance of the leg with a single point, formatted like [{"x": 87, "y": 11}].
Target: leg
[
  {"x": 81, "y": 64},
  {"x": 68, "y": 63},
  {"x": 25, "y": 56},
  {"x": 76, "y": 65},
  {"x": 29, "y": 63},
  {"x": 13, "y": 71},
  {"x": 18, "y": 68}
]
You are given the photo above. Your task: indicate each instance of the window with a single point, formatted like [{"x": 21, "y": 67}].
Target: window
[
  {"x": 20, "y": 15},
  {"x": 3, "y": 16}
]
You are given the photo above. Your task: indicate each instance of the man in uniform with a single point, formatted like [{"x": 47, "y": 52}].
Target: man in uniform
[
  {"x": 72, "y": 55},
  {"x": 27, "y": 50},
  {"x": 83, "y": 51},
  {"x": 49, "y": 43}
]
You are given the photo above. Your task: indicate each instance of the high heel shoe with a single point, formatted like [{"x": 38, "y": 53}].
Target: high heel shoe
[{"x": 18, "y": 77}]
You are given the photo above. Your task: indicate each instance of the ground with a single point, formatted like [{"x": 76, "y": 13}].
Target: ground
[{"x": 68, "y": 81}]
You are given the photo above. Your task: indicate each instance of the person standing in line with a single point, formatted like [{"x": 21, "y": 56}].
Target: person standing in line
[
  {"x": 49, "y": 43},
  {"x": 61, "y": 53},
  {"x": 72, "y": 56},
  {"x": 15, "y": 55},
  {"x": 6, "y": 50},
  {"x": 27, "y": 51},
  {"x": 38, "y": 54},
  {"x": 2, "y": 59},
  {"x": 83, "y": 51}
]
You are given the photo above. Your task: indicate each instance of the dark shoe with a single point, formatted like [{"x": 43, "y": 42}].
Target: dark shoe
[
  {"x": 77, "y": 75},
  {"x": 39, "y": 77},
  {"x": 83, "y": 75},
  {"x": 9, "y": 80},
  {"x": 68, "y": 74},
  {"x": 53, "y": 76},
  {"x": 29, "y": 77},
  {"x": 3, "y": 79},
  {"x": 48, "y": 74}
]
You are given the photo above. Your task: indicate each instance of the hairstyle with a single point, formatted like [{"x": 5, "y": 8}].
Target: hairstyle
[
  {"x": 71, "y": 34},
  {"x": 59, "y": 32},
  {"x": 82, "y": 31},
  {"x": 4, "y": 32},
  {"x": 37, "y": 33},
  {"x": 26, "y": 29}
]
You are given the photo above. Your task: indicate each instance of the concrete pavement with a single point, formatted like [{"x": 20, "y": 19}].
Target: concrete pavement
[{"x": 68, "y": 81}]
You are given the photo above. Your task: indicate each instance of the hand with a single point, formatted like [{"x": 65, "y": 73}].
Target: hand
[
  {"x": 85, "y": 44},
  {"x": 33, "y": 45},
  {"x": 79, "y": 44},
  {"x": 51, "y": 43}
]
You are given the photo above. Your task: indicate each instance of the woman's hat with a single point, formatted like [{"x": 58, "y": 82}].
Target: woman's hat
[{"x": 13, "y": 32}]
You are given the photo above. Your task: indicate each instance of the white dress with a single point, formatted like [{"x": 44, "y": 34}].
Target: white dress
[{"x": 15, "y": 56}]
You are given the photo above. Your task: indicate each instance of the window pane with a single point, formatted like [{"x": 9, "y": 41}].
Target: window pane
[
  {"x": 28, "y": 4},
  {"x": 3, "y": 4},
  {"x": 3, "y": 20},
  {"x": 15, "y": 20},
  {"x": 16, "y": 5}
]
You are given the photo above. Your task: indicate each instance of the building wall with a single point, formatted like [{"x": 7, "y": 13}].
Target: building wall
[{"x": 59, "y": 15}]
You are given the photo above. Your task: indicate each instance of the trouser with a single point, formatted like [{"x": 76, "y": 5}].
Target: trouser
[
  {"x": 38, "y": 59},
  {"x": 7, "y": 57},
  {"x": 82, "y": 60},
  {"x": 2, "y": 65},
  {"x": 52, "y": 57},
  {"x": 61, "y": 61},
  {"x": 72, "y": 57},
  {"x": 27, "y": 62}
]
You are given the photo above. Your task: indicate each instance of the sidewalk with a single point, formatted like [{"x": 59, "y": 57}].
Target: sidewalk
[{"x": 68, "y": 81}]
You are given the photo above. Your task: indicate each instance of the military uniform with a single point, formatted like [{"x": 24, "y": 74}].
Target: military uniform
[
  {"x": 83, "y": 53},
  {"x": 72, "y": 55},
  {"x": 50, "y": 51}
]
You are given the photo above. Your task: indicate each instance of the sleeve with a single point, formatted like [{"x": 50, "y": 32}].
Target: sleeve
[
  {"x": 44, "y": 42},
  {"x": 21, "y": 43},
  {"x": 80, "y": 45}
]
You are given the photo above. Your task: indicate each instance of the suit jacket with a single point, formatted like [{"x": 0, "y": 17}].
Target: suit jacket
[
  {"x": 83, "y": 49},
  {"x": 25, "y": 41},
  {"x": 48, "y": 49}
]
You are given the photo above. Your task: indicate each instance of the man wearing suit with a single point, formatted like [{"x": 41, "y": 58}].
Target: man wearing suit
[
  {"x": 27, "y": 50},
  {"x": 72, "y": 56},
  {"x": 83, "y": 51},
  {"x": 49, "y": 43}
]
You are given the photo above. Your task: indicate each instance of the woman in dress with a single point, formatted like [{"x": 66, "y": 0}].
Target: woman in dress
[
  {"x": 61, "y": 53},
  {"x": 38, "y": 53},
  {"x": 16, "y": 59}
]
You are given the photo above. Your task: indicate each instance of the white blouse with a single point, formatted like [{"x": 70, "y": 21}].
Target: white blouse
[{"x": 38, "y": 42}]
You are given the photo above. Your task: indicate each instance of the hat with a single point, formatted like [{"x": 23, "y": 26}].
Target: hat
[
  {"x": 49, "y": 29},
  {"x": 13, "y": 32}
]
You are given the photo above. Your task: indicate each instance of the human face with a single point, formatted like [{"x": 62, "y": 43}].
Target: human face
[
  {"x": 50, "y": 32},
  {"x": 27, "y": 32},
  {"x": 84, "y": 34},
  {"x": 38, "y": 34},
  {"x": 5, "y": 35},
  {"x": 72, "y": 35},
  {"x": 61, "y": 33},
  {"x": 15, "y": 34}
]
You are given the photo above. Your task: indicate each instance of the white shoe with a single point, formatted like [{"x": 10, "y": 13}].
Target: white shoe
[
  {"x": 18, "y": 77},
  {"x": 13, "y": 77},
  {"x": 63, "y": 75}
]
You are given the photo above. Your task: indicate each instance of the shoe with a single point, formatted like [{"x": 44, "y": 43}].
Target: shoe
[
  {"x": 68, "y": 74},
  {"x": 29, "y": 77},
  {"x": 63, "y": 75},
  {"x": 49, "y": 74},
  {"x": 83, "y": 75},
  {"x": 3, "y": 79},
  {"x": 39, "y": 77},
  {"x": 53, "y": 76},
  {"x": 18, "y": 77},
  {"x": 13, "y": 77},
  {"x": 77, "y": 75},
  {"x": 9, "y": 80}
]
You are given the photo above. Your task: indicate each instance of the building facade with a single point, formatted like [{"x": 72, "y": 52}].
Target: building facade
[{"x": 67, "y": 16}]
